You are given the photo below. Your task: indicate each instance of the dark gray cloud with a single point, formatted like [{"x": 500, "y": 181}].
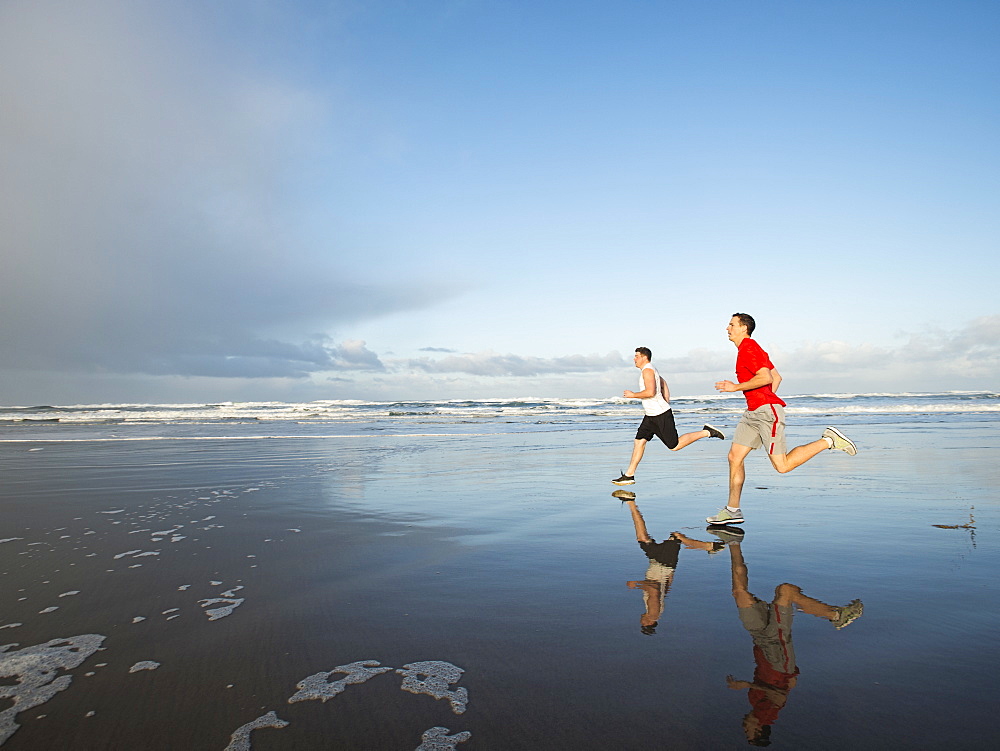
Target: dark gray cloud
[{"x": 146, "y": 200}]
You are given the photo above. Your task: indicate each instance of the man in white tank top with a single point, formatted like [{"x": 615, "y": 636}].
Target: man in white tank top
[{"x": 659, "y": 419}]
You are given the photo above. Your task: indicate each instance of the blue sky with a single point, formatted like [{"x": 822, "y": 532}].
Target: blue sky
[{"x": 307, "y": 200}]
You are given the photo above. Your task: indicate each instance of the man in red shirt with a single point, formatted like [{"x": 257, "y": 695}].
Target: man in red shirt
[{"x": 763, "y": 423}]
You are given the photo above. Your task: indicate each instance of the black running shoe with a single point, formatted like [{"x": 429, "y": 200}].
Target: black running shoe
[
  {"x": 714, "y": 432},
  {"x": 625, "y": 480}
]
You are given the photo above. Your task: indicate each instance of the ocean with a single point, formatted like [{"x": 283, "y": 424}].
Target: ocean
[{"x": 340, "y": 418}]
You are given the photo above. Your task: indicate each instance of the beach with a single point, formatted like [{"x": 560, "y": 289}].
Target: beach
[{"x": 433, "y": 579}]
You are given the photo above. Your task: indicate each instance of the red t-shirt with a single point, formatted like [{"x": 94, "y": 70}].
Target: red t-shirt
[
  {"x": 749, "y": 359},
  {"x": 764, "y": 709}
]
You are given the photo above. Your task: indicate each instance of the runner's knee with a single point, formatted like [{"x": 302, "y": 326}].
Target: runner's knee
[{"x": 785, "y": 593}]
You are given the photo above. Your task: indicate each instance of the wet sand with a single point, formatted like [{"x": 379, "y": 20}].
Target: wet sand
[{"x": 471, "y": 592}]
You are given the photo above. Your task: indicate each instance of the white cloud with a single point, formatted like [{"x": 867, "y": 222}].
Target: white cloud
[
  {"x": 940, "y": 360},
  {"x": 354, "y": 355},
  {"x": 968, "y": 357}
]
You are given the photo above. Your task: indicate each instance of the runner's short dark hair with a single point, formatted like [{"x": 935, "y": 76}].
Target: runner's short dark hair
[
  {"x": 747, "y": 320},
  {"x": 645, "y": 351},
  {"x": 762, "y": 737}
]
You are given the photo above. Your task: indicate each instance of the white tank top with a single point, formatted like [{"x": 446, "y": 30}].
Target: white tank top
[{"x": 656, "y": 404}]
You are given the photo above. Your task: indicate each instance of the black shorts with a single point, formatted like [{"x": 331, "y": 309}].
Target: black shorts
[{"x": 662, "y": 426}]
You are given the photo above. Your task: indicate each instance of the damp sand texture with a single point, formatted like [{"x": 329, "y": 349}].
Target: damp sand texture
[{"x": 469, "y": 592}]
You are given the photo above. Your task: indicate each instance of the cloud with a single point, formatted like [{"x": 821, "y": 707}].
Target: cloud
[
  {"x": 354, "y": 355},
  {"x": 437, "y": 349},
  {"x": 147, "y": 196},
  {"x": 493, "y": 364},
  {"x": 968, "y": 357},
  {"x": 933, "y": 360},
  {"x": 975, "y": 347},
  {"x": 696, "y": 361}
]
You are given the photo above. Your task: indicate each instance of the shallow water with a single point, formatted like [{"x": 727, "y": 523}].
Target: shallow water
[{"x": 504, "y": 556}]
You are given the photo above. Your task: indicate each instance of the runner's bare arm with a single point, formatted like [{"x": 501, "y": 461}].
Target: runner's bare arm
[
  {"x": 775, "y": 380},
  {"x": 650, "y": 387}
]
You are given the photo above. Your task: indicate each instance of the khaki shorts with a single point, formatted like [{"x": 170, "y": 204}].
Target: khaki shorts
[
  {"x": 764, "y": 426},
  {"x": 770, "y": 627}
]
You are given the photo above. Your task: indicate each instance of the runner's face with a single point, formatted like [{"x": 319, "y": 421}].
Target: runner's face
[
  {"x": 639, "y": 359},
  {"x": 735, "y": 329}
]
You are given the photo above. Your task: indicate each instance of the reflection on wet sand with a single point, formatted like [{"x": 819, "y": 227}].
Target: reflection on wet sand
[
  {"x": 770, "y": 626},
  {"x": 662, "y": 563}
]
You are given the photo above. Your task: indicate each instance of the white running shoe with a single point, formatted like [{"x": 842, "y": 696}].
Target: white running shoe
[
  {"x": 725, "y": 516},
  {"x": 840, "y": 441}
]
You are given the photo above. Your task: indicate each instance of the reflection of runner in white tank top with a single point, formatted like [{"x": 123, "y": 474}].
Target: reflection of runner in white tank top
[
  {"x": 656, "y": 404},
  {"x": 659, "y": 419}
]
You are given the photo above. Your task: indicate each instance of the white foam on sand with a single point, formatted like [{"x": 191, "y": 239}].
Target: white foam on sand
[
  {"x": 319, "y": 686},
  {"x": 144, "y": 665},
  {"x": 36, "y": 669},
  {"x": 240, "y": 739},
  {"x": 439, "y": 675},
  {"x": 137, "y": 553},
  {"x": 436, "y": 739},
  {"x": 230, "y": 604}
]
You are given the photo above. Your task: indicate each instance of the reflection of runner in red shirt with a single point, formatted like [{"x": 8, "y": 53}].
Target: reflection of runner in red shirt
[
  {"x": 770, "y": 626},
  {"x": 763, "y": 423}
]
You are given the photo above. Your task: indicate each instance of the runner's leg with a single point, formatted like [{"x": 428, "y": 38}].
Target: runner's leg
[
  {"x": 798, "y": 455},
  {"x": 688, "y": 438},
  {"x": 637, "y": 451},
  {"x": 741, "y": 577},
  {"x": 789, "y": 594},
  {"x": 737, "y": 473},
  {"x": 640, "y": 524}
]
